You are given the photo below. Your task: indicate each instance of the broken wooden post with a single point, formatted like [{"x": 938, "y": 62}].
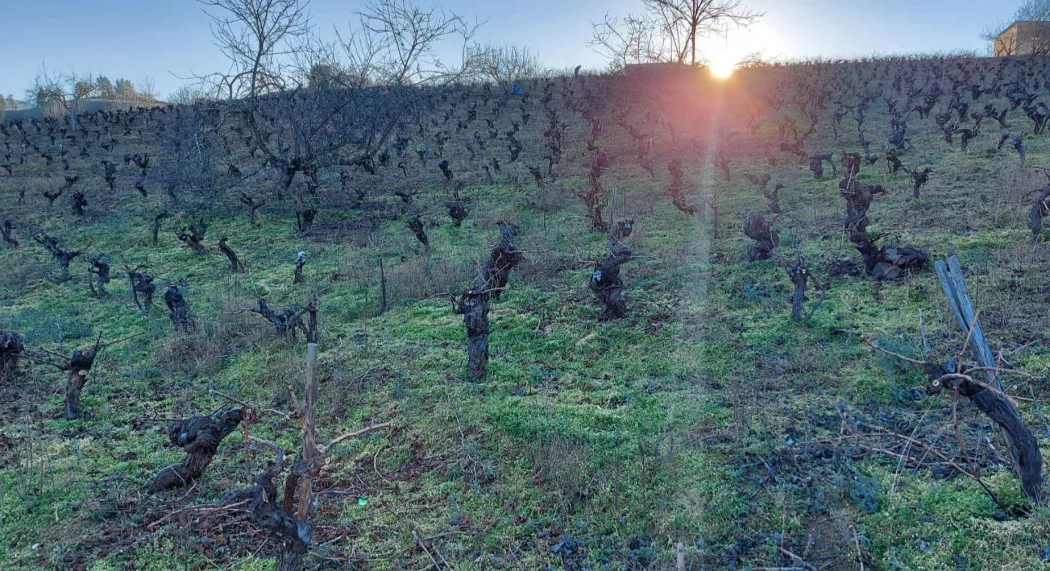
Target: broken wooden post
[
  {"x": 989, "y": 397},
  {"x": 954, "y": 285}
]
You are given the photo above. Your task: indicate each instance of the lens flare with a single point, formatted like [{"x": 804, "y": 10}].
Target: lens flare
[{"x": 722, "y": 68}]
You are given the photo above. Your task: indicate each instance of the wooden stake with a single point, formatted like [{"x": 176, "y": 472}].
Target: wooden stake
[
  {"x": 309, "y": 433},
  {"x": 1021, "y": 443},
  {"x": 382, "y": 288}
]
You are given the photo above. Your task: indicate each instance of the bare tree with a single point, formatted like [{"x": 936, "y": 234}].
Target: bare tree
[
  {"x": 628, "y": 40},
  {"x": 398, "y": 43},
  {"x": 48, "y": 94},
  {"x": 501, "y": 65},
  {"x": 309, "y": 105},
  {"x": 686, "y": 21},
  {"x": 187, "y": 95},
  {"x": 61, "y": 95},
  {"x": 1028, "y": 40},
  {"x": 258, "y": 37},
  {"x": 668, "y": 30},
  {"x": 1033, "y": 10},
  {"x": 192, "y": 149},
  {"x": 148, "y": 89}
]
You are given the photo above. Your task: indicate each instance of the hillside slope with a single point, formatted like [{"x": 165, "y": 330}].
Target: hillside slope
[{"x": 705, "y": 416}]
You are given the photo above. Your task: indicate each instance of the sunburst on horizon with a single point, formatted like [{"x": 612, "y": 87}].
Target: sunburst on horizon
[
  {"x": 725, "y": 52},
  {"x": 722, "y": 67}
]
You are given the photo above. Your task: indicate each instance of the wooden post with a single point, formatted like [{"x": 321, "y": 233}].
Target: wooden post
[
  {"x": 310, "y": 434},
  {"x": 680, "y": 562},
  {"x": 1022, "y": 444},
  {"x": 954, "y": 285},
  {"x": 382, "y": 288}
]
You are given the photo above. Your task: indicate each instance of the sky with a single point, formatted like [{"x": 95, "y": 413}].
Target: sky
[{"x": 169, "y": 40}]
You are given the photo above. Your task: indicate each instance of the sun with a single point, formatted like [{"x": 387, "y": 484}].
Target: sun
[{"x": 722, "y": 68}]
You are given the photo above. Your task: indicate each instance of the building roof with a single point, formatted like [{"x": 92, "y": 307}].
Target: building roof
[{"x": 1019, "y": 22}]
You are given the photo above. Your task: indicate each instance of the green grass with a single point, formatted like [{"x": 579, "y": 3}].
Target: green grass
[{"x": 706, "y": 416}]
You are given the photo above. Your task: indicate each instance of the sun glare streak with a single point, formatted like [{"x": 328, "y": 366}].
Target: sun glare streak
[{"x": 722, "y": 68}]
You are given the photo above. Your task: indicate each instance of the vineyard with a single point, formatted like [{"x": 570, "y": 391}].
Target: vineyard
[{"x": 643, "y": 320}]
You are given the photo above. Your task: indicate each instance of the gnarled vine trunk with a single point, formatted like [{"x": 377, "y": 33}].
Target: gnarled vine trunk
[{"x": 199, "y": 437}]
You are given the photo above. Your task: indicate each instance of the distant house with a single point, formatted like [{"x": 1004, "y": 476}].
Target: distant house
[{"x": 1024, "y": 38}]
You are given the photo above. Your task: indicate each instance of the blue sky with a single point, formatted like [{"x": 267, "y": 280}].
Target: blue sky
[{"x": 169, "y": 39}]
